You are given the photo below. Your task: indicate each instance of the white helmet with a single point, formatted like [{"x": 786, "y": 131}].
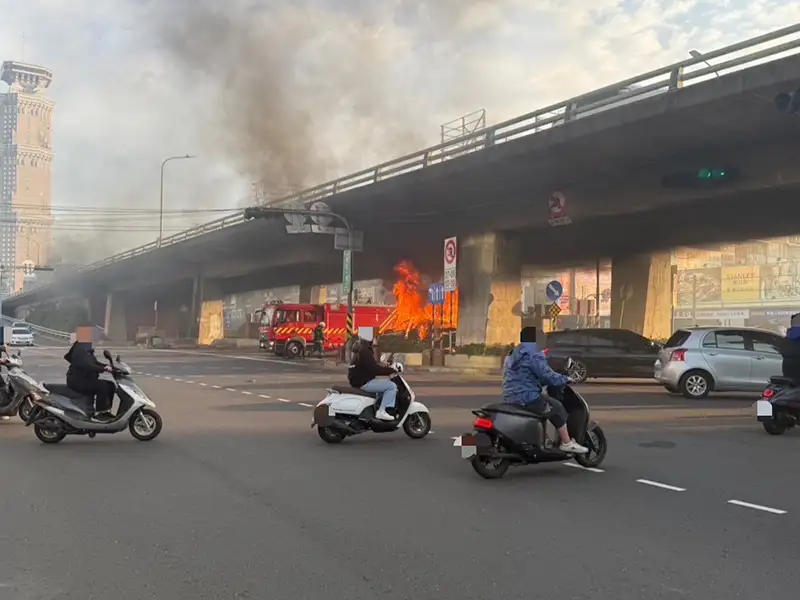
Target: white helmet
[{"x": 322, "y": 323}]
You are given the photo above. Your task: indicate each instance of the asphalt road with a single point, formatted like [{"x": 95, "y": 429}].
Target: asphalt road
[{"x": 239, "y": 498}]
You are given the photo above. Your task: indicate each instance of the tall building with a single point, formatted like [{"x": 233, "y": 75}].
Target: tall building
[{"x": 25, "y": 176}]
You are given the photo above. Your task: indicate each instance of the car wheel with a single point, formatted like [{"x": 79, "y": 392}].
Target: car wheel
[{"x": 695, "y": 385}]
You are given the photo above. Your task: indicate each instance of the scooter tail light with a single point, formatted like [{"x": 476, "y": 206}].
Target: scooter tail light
[
  {"x": 483, "y": 423},
  {"x": 678, "y": 355},
  {"x": 768, "y": 393}
]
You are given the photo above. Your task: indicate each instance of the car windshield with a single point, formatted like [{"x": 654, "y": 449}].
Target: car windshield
[{"x": 20, "y": 331}]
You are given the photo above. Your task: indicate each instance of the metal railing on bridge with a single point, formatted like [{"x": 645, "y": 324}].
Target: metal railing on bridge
[
  {"x": 43, "y": 331},
  {"x": 736, "y": 57}
]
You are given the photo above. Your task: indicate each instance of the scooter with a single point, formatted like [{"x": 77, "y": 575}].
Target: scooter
[
  {"x": 348, "y": 411},
  {"x": 778, "y": 410},
  {"x": 507, "y": 435},
  {"x": 18, "y": 390},
  {"x": 62, "y": 412}
]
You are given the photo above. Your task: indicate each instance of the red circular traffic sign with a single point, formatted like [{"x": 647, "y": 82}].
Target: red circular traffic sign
[{"x": 450, "y": 252}]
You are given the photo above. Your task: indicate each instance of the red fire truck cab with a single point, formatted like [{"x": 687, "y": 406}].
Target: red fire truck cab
[{"x": 286, "y": 329}]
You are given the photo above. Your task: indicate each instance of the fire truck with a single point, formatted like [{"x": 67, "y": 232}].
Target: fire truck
[{"x": 287, "y": 329}]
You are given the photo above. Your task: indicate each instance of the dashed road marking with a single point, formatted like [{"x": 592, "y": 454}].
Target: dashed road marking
[
  {"x": 769, "y": 509},
  {"x": 246, "y": 393},
  {"x": 577, "y": 466},
  {"x": 283, "y": 400},
  {"x": 663, "y": 486},
  {"x": 230, "y": 390},
  {"x": 217, "y": 387},
  {"x": 264, "y": 396}
]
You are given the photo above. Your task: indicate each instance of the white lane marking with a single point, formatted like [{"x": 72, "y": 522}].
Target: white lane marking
[
  {"x": 235, "y": 356},
  {"x": 167, "y": 377},
  {"x": 178, "y": 380},
  {"x": 306, "y": 405},
  {"x": 577, "y": 466},
  {"x": 247, "y": 393},
  {"x": 264, "y": 396},
  {"x": 774, "y": 511},
  {"x": 230, "y": 390},
  {"x": 203, "y": 384},
  {"x": 663, "y": 486},
  {"x": 217, "y": 387},
  {"x": 283, "y": 400},
  {"x": 190, "y": 382}
]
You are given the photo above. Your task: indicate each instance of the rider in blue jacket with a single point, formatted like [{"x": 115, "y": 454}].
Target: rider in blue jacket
[{"x": 526, "y": 373}]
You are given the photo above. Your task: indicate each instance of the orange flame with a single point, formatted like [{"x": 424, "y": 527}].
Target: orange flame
[{"x": 412, "y": 311}]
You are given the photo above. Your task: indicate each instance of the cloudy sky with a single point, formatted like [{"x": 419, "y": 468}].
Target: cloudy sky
[{"x": 295, "y": 93}]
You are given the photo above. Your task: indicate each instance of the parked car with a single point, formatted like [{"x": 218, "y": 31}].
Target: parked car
[
  {"x": 699, "y": 360},
  {"x": 603, "y": 352},
  {"x": 21, "y": 336}
]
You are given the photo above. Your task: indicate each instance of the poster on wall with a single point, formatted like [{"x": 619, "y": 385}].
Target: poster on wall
[
  {"x": 741, "y": 284},
  {"x": 211, "y": 323},
  {"x": 780, "y": 283},
  {"x": 703, "y": 285}
]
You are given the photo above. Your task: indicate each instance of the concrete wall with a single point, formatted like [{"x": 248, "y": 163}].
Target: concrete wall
[
  {"x": 641, "y": 294},
  {"x": 490, "y": 290}
]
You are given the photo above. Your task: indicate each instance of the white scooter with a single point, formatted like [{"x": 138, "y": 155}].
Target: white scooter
[{"x": 347, "y": 411}]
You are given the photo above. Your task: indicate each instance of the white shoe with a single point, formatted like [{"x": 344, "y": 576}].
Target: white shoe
[
  {"x": 573, "y": 447},
  {"x": 383, "y": 415}
]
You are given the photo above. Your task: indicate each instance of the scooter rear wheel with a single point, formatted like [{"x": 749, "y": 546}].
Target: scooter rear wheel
[
  {"x": 49, "y": 432},
  {"x": 489, "y": 469},
  {"x": 772, "y": 427},
  {"x": 330, "y": 435}
]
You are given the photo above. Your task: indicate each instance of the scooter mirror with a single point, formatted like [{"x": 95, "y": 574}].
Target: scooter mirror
[
  {"x": 384, "y": 358},
  {"x": 568, "y": 364},
  {"x": 107, "y": 354},
  {"x": 119, "y": 358}
]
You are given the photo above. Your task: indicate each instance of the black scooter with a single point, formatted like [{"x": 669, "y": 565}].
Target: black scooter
[
  {"x": 507, "y": 435},
  {"x": 778, "y": 410}
]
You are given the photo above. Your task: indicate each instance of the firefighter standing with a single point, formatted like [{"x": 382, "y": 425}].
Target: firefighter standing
[{"x": 319, "y": 339}]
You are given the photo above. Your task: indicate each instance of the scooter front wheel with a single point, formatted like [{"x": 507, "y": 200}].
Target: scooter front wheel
[
  {"x": 145, "y": 425},
  {"x": 772, "y": 427},
  {"x": 598, "y": 447},
  {"x": 25, "y": 409},
  {"x": 417, "y": 426}
]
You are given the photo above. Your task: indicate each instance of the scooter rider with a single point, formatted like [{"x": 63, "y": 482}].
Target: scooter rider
[
  {"x": 363, "y": 372},
  {"x": 790, "y": 351},
  {"x": 525, "y": 374},
  {"x": 83, "y": 377}
]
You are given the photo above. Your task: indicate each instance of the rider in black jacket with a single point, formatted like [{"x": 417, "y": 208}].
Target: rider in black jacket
[
  {"x": 363, "y": 372},
  {"x": 83, "y": 373}
]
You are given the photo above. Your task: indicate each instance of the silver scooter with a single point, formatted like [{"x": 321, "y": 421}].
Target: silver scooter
[
  {"x": 18, "y": 390},
  {"x": 62, "y": 411}
]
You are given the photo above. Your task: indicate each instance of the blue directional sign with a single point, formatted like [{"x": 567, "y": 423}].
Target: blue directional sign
[
  {"x": 554, "y": 291},
  {"x": 436, "y": 293}
]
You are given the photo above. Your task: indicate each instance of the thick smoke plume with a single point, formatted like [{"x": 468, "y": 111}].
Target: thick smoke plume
[{"x": 305, "y": 91}]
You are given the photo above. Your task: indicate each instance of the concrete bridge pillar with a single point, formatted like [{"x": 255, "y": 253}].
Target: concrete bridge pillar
[
  {"x": 116, "y": 322},
  {"x": 641, "y": 294},
  {"x": 490, "y": 290}
]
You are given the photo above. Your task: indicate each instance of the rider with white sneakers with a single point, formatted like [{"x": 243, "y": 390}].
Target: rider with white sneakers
[{"x": 363, "y": 371}]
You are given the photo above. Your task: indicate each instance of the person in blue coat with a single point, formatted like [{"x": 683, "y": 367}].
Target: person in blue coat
[{"x": 526, "y": 373}]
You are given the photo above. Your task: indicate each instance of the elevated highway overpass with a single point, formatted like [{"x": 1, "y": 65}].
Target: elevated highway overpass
[{"x": 605, "y": 152}]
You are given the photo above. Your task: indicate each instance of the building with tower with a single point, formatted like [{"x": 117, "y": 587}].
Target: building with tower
[{"x": 25, "y": 171}]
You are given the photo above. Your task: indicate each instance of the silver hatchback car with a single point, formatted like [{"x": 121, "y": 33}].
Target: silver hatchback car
[{"x": 699, "y": 360}]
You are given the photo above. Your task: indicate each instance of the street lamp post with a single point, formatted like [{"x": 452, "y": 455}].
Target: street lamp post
[
  {"x": 161, "y": 203},
  {"x": 263, "y": 212}
]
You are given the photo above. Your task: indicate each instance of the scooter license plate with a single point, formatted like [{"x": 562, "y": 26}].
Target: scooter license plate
[{"x": 764, "y": 408}]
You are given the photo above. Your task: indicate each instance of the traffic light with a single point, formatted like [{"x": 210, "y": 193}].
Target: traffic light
[
  {"x": 788, "y": 102},
  {"x": 704, "y": 177}
]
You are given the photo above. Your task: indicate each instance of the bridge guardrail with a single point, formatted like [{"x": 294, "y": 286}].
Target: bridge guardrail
[
  {"x": 636, "y": 88},
  {"x": 45, "y": 331}
]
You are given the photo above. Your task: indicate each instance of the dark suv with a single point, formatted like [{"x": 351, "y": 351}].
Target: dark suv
[{"x": 603, "y": 352}]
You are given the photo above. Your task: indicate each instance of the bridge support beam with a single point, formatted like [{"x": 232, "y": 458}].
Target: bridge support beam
[
  {"x": 641, "y": 294},
  {"x": 116, "y": 321},
  {"x": 490, "y": 290}
]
